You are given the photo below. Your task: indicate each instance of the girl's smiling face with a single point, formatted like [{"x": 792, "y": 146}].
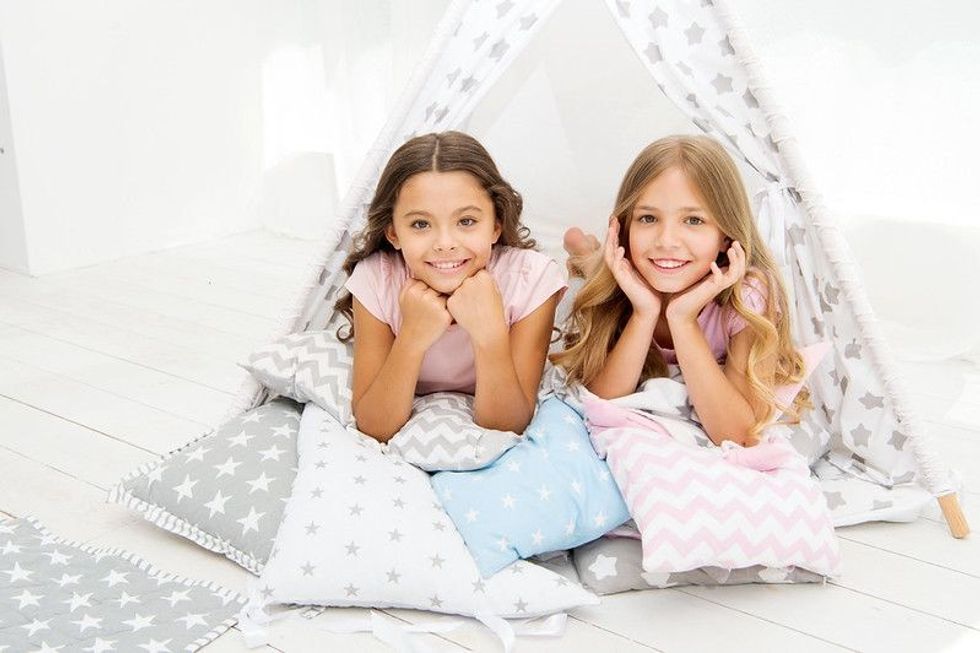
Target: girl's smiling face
[
  {"x": 672, "y": 238},
  {"x": 443, "y": 224}
]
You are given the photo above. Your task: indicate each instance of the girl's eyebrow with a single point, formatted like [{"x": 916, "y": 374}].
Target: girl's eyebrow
[
  {"x": 681, "y": 209},
  {"x": 426, "y": 214}
]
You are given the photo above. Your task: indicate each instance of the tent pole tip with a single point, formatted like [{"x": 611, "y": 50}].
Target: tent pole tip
[{"x": 950, "y": 505}]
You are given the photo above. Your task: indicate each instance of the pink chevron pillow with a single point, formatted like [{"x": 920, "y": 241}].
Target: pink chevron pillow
[{"x": 695, "y": 509}]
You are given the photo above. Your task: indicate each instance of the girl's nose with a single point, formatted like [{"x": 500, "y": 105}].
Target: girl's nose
[
  {"x": 666, "y": 237},
  {"x": 445, "y": 242}
]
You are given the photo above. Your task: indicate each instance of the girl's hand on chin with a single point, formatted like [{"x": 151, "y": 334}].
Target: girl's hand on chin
[
  {"x": 688, "y": 304},
  {"x": 644, "y": 299},
  {"x": 424, "y": 314},
  {"x": 478, "y": 307}
]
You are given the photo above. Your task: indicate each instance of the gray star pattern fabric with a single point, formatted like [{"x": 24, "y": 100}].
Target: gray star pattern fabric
[
  {"x": 227, "y": 490},
  {"x": 615, "y": 564},
  {"x": 57, "y": 595}
]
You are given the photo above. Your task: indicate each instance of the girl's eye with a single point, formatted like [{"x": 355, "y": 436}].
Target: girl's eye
[
  {"x": 693, "y": 219},
  {"x": 646, "y": 219},
  {"x": 419, "y": 224},
  {"x": 467, "y": 222}
]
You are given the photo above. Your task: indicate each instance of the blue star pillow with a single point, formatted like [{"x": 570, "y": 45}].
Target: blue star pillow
[{"x": 549, "y": 492}]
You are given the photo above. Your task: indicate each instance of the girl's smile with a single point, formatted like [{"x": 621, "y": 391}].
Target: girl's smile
[{"x": 448, "y": 267}]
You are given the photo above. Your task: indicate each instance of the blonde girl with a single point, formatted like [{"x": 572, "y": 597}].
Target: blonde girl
[
  {"x": 685, "y": 279},
  {"x": 446, "y": 292}
]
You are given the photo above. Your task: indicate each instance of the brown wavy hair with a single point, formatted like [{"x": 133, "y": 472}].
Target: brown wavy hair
[
  {"x": 447, "y": 151},
  {"x": 601, "y": 309}
]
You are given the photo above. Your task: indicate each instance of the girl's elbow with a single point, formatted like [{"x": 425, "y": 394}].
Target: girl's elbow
[
  {"x": 379, "y": 432},
  {"x": 513, "y": 424},
  {"x": 381, "y": 435},
  {"x": 741, "y": 436},
  {"x": 604, "y": 392}
]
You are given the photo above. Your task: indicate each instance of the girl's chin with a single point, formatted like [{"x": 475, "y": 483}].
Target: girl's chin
[
  {"x": 671, "y": 284},
  {"x": 443, "y": 285}
]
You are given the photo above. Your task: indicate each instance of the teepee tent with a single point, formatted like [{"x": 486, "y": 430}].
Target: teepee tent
[{"x": 864, "y": 442}]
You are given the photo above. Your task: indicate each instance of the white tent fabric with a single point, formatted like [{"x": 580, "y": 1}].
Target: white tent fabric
[{"x": 865, "y": 442}]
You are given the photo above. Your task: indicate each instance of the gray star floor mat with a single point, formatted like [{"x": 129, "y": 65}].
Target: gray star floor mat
[{"x": 57, "y": 595}]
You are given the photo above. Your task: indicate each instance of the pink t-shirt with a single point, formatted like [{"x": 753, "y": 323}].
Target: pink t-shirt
[
  {"x": 721, "y": 323},
  {"x": 524, "y": 277}
]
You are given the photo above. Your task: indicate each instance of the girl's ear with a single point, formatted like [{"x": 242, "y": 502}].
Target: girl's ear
[
  {"x": 392, "y": 236},
  {"x": 722, "y": 260},
  {"x": 497, "y": 230}
]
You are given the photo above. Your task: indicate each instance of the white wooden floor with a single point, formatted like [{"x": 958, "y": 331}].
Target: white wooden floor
[{"x": 104, "y": 368}]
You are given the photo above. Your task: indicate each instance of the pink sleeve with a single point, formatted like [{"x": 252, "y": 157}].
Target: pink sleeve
[
  {"x": 539, "y": 278},
  {"x": 754, "y": 297},
  {"x": 368, "y": 285}
]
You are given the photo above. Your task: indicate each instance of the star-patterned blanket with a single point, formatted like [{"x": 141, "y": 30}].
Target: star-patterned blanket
[{"x": 58, "y": 595}]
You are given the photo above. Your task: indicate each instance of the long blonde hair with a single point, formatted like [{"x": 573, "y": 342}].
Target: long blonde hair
[
  {"x": 601, "y": 309},
  {"x": 437, "y": 152}
]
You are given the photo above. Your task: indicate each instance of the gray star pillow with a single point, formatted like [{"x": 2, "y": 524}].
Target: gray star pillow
[
  {"x": 225, "y": 491},
  {"x": 441, "y": 435},
  {"x": 615, "y": 564},
  {"x": 310, "y": 366},
  {"x": 60, "y": 595}
]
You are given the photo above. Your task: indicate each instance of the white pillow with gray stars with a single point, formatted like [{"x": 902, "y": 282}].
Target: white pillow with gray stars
[{"x": 365, "y": 529}]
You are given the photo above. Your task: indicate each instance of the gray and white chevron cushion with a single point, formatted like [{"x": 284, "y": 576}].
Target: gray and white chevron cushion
[
  {"x": 441, "y": 435},
  {"x": 310, "y": 366}
]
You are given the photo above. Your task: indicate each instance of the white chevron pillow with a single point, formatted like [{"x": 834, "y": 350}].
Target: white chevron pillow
[
  {"x": 311, "y": 366},
  {"x": 441, "y": 435}
]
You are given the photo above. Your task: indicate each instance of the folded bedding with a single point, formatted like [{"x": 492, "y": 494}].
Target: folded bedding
[
  {"x": 363, "y": 528},
  {"x": 698, "y": 505}
]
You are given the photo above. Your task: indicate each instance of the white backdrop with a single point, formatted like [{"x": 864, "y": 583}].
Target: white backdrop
[{"x": 118, "y": 141}]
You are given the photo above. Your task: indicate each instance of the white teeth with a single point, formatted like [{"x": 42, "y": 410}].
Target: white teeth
[
  {"x": 669, "y": 264},
  {"x": 446, "y": 265}
]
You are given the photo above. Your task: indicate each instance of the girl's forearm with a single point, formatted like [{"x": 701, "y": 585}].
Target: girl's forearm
[
  {"x": 500, "y": 403},
  {"x": 624, "y": 364},
  {"x": 724, "y": 412},
  {"x": 387, "y": 404}
]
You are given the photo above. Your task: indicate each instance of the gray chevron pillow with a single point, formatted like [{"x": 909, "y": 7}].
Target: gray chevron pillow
[
  {"x": 441, "y": 435},
  {"x": 311, "y": 366}
]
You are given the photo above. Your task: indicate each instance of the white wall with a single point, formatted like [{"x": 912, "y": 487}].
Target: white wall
[
  {"x": 142, "y": 125},
  {"x": 137, "y": 123},
  {"x": 883, "y": 98},
  {"x": 13, "y": 244}
]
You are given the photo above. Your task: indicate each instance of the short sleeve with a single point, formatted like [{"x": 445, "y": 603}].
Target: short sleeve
[
  {"x": 367, "y": 284},
  {"x": 527, "y": 279},
  {"x": 754, "y": 293}
]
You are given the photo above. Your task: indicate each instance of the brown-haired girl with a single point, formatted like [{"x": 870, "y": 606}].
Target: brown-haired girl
[
  {"x": 685, "y": 279},
  {"x": 447, "y": 293}
]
